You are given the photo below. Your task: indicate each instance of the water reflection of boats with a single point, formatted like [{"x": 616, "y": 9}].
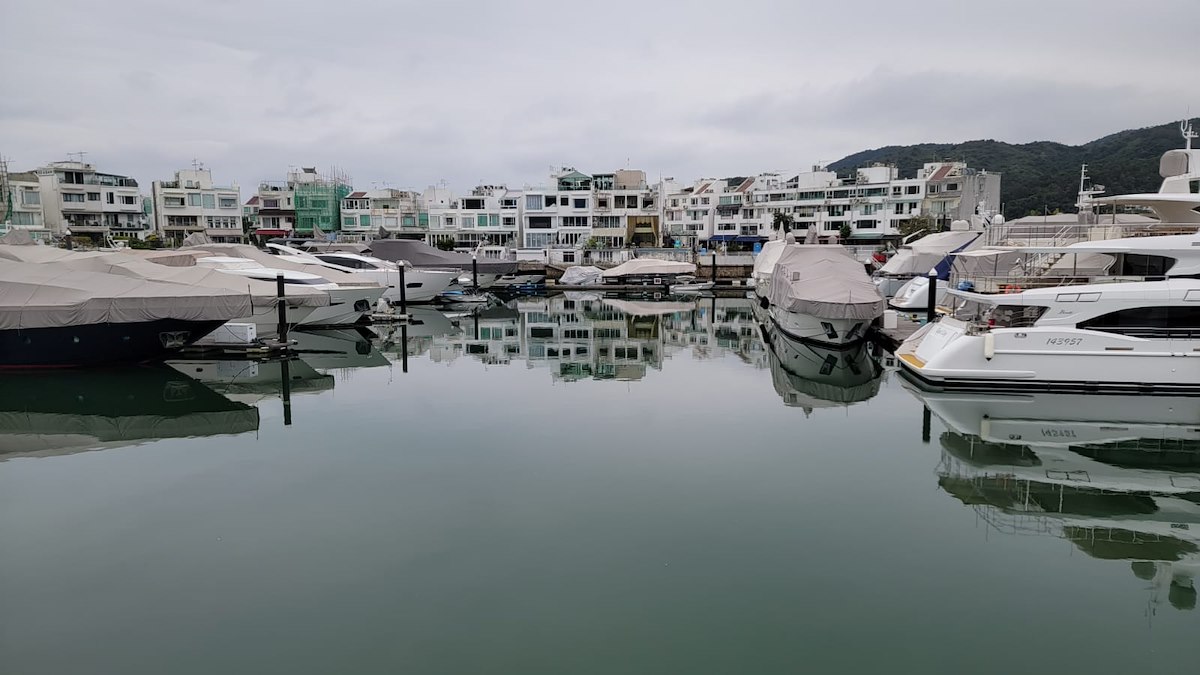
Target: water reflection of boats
[
  {"x": 254, "y": 381},
  {"x": 346, "y": 348},
  {"x": 809, "y": 376},
  {"x": 1117, "y": 476},
  {"x": 63, "y": 412}
]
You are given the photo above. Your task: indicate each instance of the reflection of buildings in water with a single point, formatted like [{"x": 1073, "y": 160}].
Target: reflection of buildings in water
[
  {"x": 716, "y": 327},
  {"x": 253, "y": 381},
  {"x": 810, "y": 376},
  {"x": 1117, "y": 476},
  {"x": 64, "y": 412}
]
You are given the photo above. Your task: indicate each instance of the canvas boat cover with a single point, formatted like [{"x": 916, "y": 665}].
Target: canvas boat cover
[
  {"x": 262, "y": 293},
  {"x": 825, "y": 282},
  {"x": 18, "y": 238},
  {"x": 987, "y": 262},
  {"x": 764, "y": 262},
  {"x": 51, "y": 295},
  {"x": 581, "y": 275},
  {"x": 928, "y": 252},
  {"x": 282, "y": 262},
  {"x": 649, "y": 266},
  {"x": 420, "y": 254}
]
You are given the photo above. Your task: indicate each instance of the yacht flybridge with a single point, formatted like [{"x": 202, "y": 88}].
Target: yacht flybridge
[
  {"x": 1130, "y": 321},
  {"x": 421, "y": 285}
]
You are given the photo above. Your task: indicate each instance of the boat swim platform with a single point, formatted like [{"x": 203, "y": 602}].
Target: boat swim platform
[{"x": 891, "y": 338}]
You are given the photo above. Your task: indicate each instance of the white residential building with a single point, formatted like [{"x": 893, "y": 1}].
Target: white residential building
[
  {"x": 78, "y": 199},
  {"x": 191, "y": 203},
  {"x": 617, "y": 209},
  {"x": 490, "y": 215},
  {"x": 22, "y": 199},
  {"x": 365, "y": 213}
]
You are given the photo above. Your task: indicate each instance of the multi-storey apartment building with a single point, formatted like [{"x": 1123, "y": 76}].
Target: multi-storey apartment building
[
  {"x": 21, "y": 203},
  {"x": 77, "y": 199},
  {"x": 192, "y": 203},
  {"x": 616, "y": 209},
  {"x": 307, "y": 204},
  {"x": 489, "y": 215},
  {"x": 367, "y": 213}
]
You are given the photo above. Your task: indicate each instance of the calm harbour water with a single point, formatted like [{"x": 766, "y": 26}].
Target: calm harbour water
[{"x": 584, "y": 486}]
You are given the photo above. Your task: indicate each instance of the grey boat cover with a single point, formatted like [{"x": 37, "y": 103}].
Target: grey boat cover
[
  {"x": 825, "y": 282},
  {"x": 420, "y": 254},
  {"x": 648, "y": 266},
  {"x": 18, "y": 238},
  {"x": 262, "y": 293},
  {"x": 51, "y": 295},
  {"x": 581, "y": 275},
  {"x": 922, "y": 255}
]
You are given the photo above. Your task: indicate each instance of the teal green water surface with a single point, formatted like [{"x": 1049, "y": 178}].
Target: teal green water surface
[{"x": 581, "y": 486}]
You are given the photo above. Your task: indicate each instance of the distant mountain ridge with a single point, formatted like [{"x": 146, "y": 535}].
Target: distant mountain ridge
[{"x": 1043, "y": 174}]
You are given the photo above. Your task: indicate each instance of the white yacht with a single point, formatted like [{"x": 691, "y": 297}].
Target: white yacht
[
  {"x": 1178, "y": 198},
  {"x": 420, "y": 285},
  {"x": 822, "y": 294},
  {"x": 344, "y": 308},
  {"x": 350, "y": 299},
  {"x": 1136, "y": 327}
]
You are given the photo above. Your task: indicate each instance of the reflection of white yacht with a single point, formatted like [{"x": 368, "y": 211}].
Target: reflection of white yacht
[
  {"x": 1117, "y": 476},
  {"x": 1113, "y": 442},
  {"x": 1136, "y": 327},
  {"x": 337, "y": 348},
  {"x": 253, "y": 381},
  {"x": 807, "y": 375}
]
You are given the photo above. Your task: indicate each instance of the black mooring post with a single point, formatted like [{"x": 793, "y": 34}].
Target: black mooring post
[
  {"x": 403, "y": 289},
  {"x": 475, "y": 272},
  {"x": 926, "y": 424},
  {"x": 285, "y": 375},
  {"x": 931, "y": 306},
  {"x": 404, "y": 347},
  {"x": 281, "y": 308},
  {"x": 714, "y": 268}
]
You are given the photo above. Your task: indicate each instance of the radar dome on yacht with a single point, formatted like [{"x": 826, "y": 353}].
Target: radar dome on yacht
[{"x": 959, "y": 226}]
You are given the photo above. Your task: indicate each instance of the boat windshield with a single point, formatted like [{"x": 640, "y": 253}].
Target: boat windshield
[{"x": 1014, "y": 316}]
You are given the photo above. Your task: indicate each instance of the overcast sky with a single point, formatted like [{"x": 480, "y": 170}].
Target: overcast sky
[{"x": 409, "y": 94}]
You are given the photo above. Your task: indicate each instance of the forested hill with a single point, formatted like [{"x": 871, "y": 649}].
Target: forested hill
[{"x": 1042, "y": 174}]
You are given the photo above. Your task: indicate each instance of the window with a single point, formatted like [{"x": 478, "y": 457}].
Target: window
[
  {"x": 933, "y": 189},
  {"x": 449, "y": 221},
  {"x": 481, "y": 220},
  {"x": 508, "y": 203},
  {"x": 194, "y": 199},
  {"x": 674, "y": 202},
  {"x": 912, "y": 190},
  {"x": 73, "y": 197},
  {"x": 210, "y": 201},
  {"x": 1015, "y": 316},
  {"x": 704, "y": 200},
  {"x": 270, "y": 203},
  {"x": 866, "y": 224},
  {"x": 173, "y": 202},
  {"x": 834, "y": 225},
  {"x": 608, "y": 221},
  {"x": 1194, "y": 186},
  {"x": 109, "y": 196},
  {"x": 835, "y": 210},
  {"x": 364, "y": 220},
  {"x": 228, "y": 202},
  {"x": 575, "y": 221},
  {"x": 347, "y": 221},
  {"x": 602, "y": 203},
  {"x": 31, "y": 197},
  {"x": 93, "y": 196},
  {"x": 568, "y": 256},
  {"x": 581, "y": 203},
  {"x": 951, "y": 187},
  {"x": 563, "y": 201},
  {"x": 509, "y": 221},
  {"x": 533, "y": 202},
  {"x": 129, "y": 200}
]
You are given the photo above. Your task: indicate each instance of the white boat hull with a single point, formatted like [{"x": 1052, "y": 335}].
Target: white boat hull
[
  {"x": 419, "y": 285},
  {"x": 266, "y": 319},
  {"x": 834, "y": 332},
  {"x": 947, "y": 354},
  {"x": 347, "y": 304}
]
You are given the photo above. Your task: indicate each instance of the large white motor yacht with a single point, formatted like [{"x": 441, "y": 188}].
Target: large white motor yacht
[
  {"x": 420, "y": 285},
  {"x": 344, "y": 307},
  {"x": 1135, "y": 328}
]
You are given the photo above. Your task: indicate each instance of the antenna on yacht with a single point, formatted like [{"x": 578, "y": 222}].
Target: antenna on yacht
[{"x": 1185, "y": 128}]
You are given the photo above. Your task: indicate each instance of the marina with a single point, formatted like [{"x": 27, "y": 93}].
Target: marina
[{"x": 216, "y": 499}]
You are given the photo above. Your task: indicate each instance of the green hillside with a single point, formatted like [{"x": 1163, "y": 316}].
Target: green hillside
[{"x": 1042, "y": 174}]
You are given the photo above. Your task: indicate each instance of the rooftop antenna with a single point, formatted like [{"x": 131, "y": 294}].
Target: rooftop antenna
[
  {"x": 1185, "y": 127},
  {"x": 197, "y": 164},
  {"x": 77, "y": 155}
]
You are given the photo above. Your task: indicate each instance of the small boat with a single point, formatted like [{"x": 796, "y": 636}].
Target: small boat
[
  {"x": 647, "y": 272},
  {"x": 821, "y": 293},
  {"x": 690, "y": 287},
  {"x": 420, "y": 285},
  {"x": 462, "y": 298}
]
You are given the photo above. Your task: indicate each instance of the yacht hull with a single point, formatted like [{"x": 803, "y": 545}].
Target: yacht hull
[
  {"x": 99, "y": 344},
  {"x": 946, "y": 354},
  {"x": 346, "y": 306},
  {"x": 806, "y": 327}
]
